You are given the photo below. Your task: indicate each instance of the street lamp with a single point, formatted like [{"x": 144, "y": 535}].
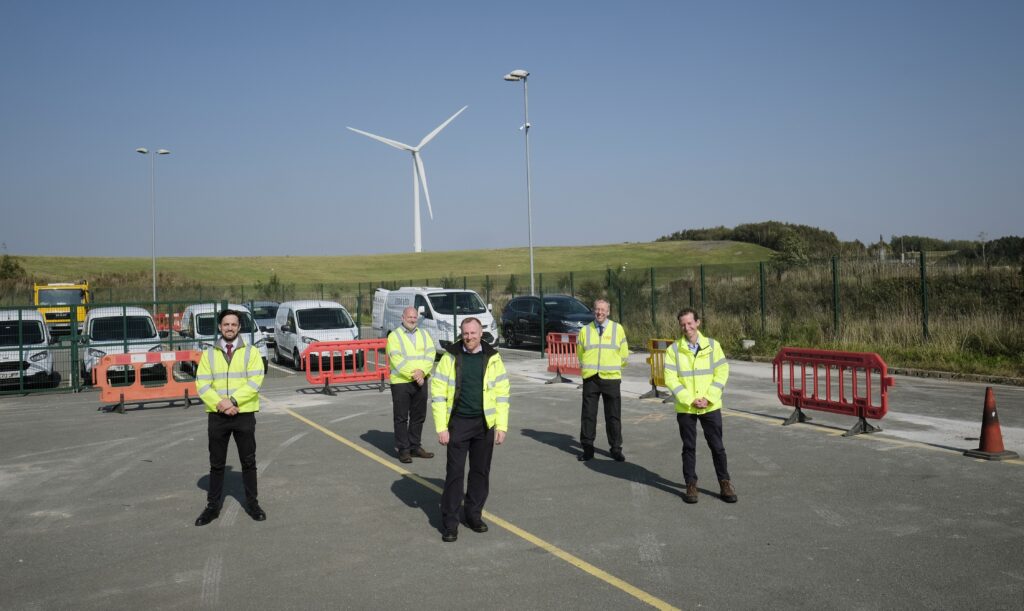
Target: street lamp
[
  {"x": 152, "y": 200},
  {"x": 520, "y": 75}
]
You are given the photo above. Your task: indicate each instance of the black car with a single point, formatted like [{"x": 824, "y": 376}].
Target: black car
[{"x": 520, "y": 320}]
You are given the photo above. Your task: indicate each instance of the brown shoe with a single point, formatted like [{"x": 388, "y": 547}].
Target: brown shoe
[
  {"x": 690, "y": 496},
  {"x": 421, "y": 453},
  {"x": 404, "y": 457},
  {"x": 728, "y": 492}
]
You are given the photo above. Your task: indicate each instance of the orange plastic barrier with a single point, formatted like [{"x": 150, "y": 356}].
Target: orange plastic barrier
[
  {"x": 361, "y": 360},
  {"x": 656, "y": 348},
  {"x": 138, "y": 393},
  {"x": 562, "y": 356},
  {"x": 166, "y": 323},
  {"x": 849, "y": 383}
]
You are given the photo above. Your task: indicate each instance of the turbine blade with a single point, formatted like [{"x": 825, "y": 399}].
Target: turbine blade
[
  {"x": 423, "y": 180},
  {"x": 431, "y": 135},
  {"x": 387, "y": 141}
]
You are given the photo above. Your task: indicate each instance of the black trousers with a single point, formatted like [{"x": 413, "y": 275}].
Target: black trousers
[
  {"x": 219, "y": 429},
  {"x": 595, "y": 388},
  {"x": 467, "y": 436},
  {"x": 711, "y": 423},
  {"x": 409, "y": 404}
]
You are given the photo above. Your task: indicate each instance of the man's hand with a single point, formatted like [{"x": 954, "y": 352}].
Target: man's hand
[
  {"x": 442, "y": 437},
  {"x": 418, "y": 376},
  {"x": 700, "y": 403},
  {"x": 499, "y": 437}
]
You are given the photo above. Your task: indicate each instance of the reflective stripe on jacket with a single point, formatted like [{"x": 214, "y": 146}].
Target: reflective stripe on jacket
[
  {"x": 409, "y": 354},
  {"x": 241, "y": 379},
  {"x": 690, "y": 377},
  {"x": 605, "y": 354},
  {"x": 447, "y": 382}
]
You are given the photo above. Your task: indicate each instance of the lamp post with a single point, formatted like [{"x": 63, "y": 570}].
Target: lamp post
[
  {"x": 520, "y": 75},
  {"x": 152, "y": 200}
]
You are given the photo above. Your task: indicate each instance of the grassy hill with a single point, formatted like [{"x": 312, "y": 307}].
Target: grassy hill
[{"x": 369, "y": 268}]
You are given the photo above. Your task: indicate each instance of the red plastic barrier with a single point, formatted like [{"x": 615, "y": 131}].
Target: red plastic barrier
[
  {"x": 166, "y": 323},
  {"x": 136, "y": 392},
  {"x": 562, "y": 356},
  {"x": 361, "y": 360},
  {"x": 849, "y": 383}
]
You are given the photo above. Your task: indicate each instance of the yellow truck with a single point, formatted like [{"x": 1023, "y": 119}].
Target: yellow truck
[{"x": 54, "y": 302}]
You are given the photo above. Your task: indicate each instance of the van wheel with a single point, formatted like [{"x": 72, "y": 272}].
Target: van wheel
[{"x": 296, "y": 360}]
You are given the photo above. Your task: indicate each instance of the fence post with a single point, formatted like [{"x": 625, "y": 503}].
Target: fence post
[
  {"x": 764, "y": 317},
  {"x": 653, "y": 305},
  {"x": 76, "y": 368},
  {"x": 608, "y": 279},
  {"x": 702, "y": 288},
  {"x": 487, "y": 288},
  {"x": 543, "y": 334},
  {"x": 835, "y": 295},
  {"x": 924, "y": 295},
  {"x": 691, "y": 295},
  {"x": 359, "y": 310},
  {"x": 622, "y": 314},
  {"x": 572, "y": 286},
  {"x": 464, "y": 285}
]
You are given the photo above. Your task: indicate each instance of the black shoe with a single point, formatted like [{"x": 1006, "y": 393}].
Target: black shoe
[
  {"x": 421, "y": 453},
  {"x": 209, "y": 515},
  {"x": 404, "y": 457},
  {"x": 588, "y": 453},
  {"x": 450, "y": 536},
  {"x": 477, "y": 527},
  {"x": 256, "y": 512},
  {"x": 618, "y": 455}
]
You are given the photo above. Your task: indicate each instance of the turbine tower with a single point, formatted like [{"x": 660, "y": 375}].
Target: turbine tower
[{"x": 419, "y": 175}]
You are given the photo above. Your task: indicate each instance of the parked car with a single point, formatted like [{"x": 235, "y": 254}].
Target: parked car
[
  {"x": 199, "y": 328},
  {"x": 120, "y": 330},
  {"x": 300, "y": 323},
  {"x": 441, "y": 310},
  {"x": 265, "y": 313},
  {"x": 520, "y": 320},
  {"x": 25, "y": 350}
]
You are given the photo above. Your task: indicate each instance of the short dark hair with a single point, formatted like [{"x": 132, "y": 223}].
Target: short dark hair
[
  {"x": 685, "y": 311},
  {"x": 228, "y": 312},
  {"x": 462, "y": 325}
]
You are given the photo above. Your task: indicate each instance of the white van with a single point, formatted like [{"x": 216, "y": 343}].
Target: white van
[
  {"x": 119, "y": 330},
  {"x": 199, "y": 328},
  {"x": 440, "y": 311},
  {"x": 25, "y": 350},
  {"x": 300, "y": 323}
]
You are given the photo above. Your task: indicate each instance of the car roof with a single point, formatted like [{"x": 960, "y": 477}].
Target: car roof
[
  {"x": 112, "y": 311},
  {"x": 305, "y": 304},
  {"x": 25, "y": 315}
]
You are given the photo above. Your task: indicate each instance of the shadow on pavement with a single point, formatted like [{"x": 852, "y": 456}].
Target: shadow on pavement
[
  {"x": 413, "y": 494},
  {"x": 233, "y": 486}
]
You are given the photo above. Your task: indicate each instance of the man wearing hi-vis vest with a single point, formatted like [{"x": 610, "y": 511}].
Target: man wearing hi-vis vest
[
  {"x": 602, "y": 351},
  {"x": 228, "y": 381},
  {"x": 695, "y": 373},
  {"x": 411, "y": 352},
  {"x": 469, "y": 394}
]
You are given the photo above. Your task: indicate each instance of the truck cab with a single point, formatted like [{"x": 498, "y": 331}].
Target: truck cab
[{"x": 56, "y": 300}]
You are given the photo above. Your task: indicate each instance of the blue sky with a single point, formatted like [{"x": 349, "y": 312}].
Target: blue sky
[{"x": 865, "y": 118}]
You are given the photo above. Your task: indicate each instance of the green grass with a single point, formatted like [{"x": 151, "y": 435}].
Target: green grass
[{"x": 403, "y": 266}]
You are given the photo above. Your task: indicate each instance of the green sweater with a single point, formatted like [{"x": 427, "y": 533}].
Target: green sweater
[{"x": 471, "y": 395}]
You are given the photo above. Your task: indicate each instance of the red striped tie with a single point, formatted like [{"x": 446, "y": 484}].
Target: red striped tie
[{"x": 228, "y": 348}]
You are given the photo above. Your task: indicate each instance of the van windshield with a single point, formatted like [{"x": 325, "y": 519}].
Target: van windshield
[
  {"x": 112, "y": 328},
  {"x": 324, "y": 318},
  {"x": 31, "y": 333},
  {"x": 457, "y": 303},
  {"x": 206, "y": 324},
  {"x": 264, "y": 311},
  {"x": 60, "y": 296}
]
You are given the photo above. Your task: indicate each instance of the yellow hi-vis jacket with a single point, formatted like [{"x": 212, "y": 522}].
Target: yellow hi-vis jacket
[
  {"x": 407, "y": 354},
  {"x": 690, "y": 377},
  {"x": 605, "y": 354},
  {"x": 241, "y": 380},
  {"x": 447, "y": 383}
]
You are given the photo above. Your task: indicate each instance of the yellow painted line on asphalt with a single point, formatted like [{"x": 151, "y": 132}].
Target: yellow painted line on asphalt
[{"x": 577, "y": 562}]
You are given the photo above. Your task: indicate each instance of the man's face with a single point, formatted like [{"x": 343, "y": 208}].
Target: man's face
[
  {"x": 471, "y": 334},
  {"x": 601, "y": 311},
  {"x": 689, "y": 327},
  {"x": 229, "y": 326},
  {"x": 410, "y": 317}
]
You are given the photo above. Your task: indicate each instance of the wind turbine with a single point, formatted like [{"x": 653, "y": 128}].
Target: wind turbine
[{"x": 419, "y": 175}]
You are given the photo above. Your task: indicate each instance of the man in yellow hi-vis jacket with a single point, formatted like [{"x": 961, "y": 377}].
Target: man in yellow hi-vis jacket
[
  {"x": 411, "y": 351},
  {"x": 469, "y": 394},
  {"x": 696, "y": 372},
  {"x": 228, "y": 381},
  {"x": 603, "y": 351}
]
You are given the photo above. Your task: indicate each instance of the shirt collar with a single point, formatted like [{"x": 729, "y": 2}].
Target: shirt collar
[{"x": 479, "y": 349}]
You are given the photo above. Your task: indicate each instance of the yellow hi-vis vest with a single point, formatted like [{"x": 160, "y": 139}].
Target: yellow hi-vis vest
[
  {"x": 605, "y": 354},
  {"x": 447, "y": 379},
  {"x": 690, "y": 377},
  {"x": 241, "y": 379},
  {"x": 407, "y": 354}
]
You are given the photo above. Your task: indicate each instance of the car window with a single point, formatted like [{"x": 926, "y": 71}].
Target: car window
[
  {"x": 533, "y": 308},
  {"x": 565, "y": 306},
  {"x": 264, "y": 311},
  {"x": 422, "y": 301},
  {"x": 112, "y": 328},
  {"x": 31, "y": 333},
  {"x": 61, "y": 296},
  {"x": 457, "y": 303},
  {"x": 324, "y": 318}
]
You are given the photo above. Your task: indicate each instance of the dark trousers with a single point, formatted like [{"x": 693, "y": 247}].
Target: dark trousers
[
  {"x": 409, "y": 404},
  {"x": 711, "y": 423},
  {"x": 595, "y": 388},
  {"x": 220, "y": 428},
  {"x": 467, "y": 436}
]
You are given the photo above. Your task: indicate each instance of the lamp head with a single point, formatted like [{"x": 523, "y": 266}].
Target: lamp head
[
  {"x": 163, "y": 152},
  {"x": 517, "y": 75},
  {"x": 142, "y": 150}
]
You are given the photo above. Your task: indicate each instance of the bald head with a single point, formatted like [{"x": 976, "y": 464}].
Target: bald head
[{"x": 410, "y": 316}]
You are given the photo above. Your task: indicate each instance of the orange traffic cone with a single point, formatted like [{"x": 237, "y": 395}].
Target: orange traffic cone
[{"x": 991, "y": 435}]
